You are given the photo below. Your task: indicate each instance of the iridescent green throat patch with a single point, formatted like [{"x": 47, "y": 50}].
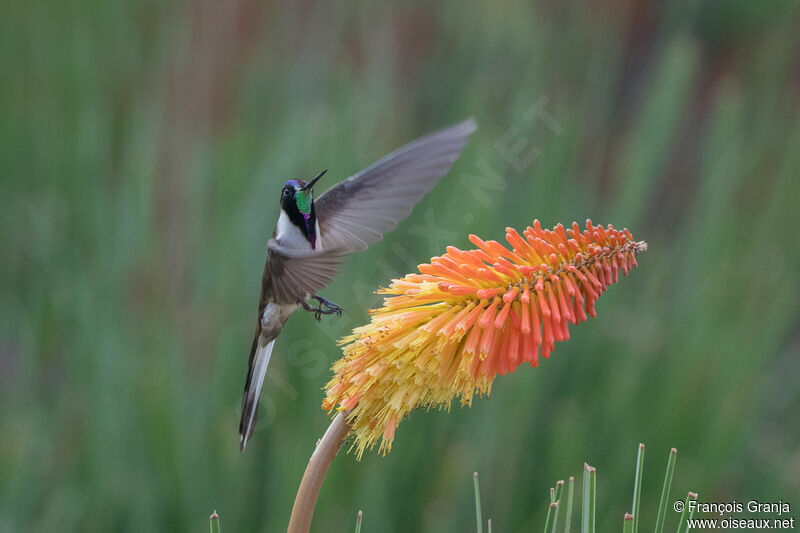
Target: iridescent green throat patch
[{"x": 303, "y": 202}]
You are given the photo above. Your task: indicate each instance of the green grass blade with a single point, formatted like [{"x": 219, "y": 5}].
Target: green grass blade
[
  {"x": 628, "y": 523},
  {"x": 662, "y": 505},
  {"x": 552, "y": 518},
  {"x": 548, "y": 522},
  {"x": 568, "y": 518},
  {"x": 683, "y": 525},
  {"x": 214, "y": 521},
  {"x": 478, "y": 503},
  {"x": 559, "y": 490},
  {"x": 555, "y": 518},
  {"x": 592, "y": 500},
  {"x": 692, "y": 496},
  {"x": 585, "y": 500},
  {"x": 358, "y": 521},
  {"x": 637, "y": 488},
  {"x": 589, "y": 486}
]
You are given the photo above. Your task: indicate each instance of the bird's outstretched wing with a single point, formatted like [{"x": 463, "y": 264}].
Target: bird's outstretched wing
[
  {"x": 296, "y": 274},
  {"x": 356, "y": 212}
]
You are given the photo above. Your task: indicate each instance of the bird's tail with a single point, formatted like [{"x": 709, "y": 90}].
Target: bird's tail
[{"x": 259, "y": 361}]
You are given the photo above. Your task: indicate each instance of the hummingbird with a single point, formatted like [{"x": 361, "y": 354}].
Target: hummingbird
[{"x": 313, "y": 235}]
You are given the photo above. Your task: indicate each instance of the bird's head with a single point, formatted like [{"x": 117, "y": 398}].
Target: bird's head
[{"x": 297, "y": 196}]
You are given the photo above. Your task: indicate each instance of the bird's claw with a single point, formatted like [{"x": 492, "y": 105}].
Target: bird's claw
[{"x": 329, "y": 308}]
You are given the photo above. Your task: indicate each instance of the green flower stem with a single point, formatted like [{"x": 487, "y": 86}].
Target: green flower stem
[
  {"x": 589, "y": 489},
  {"x": 559, "y": 490},
  {"x": 628, "y": 523},
  {"x": 552, "y": 518},
  {"x": 637, "y": 488},
  {"x": 662, "y": 506},
  {"x": 478, "y": 503},
  {"x": 683, "y": 526},
  {"x": 214, "y": 520},
  {"x": 570, "y": 493}
]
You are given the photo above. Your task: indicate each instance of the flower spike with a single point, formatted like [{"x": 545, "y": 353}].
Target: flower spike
[{"x": 468, "y": 316}]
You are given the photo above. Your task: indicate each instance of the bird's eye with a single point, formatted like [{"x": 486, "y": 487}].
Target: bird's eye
[{"x": 286, "y": 192}]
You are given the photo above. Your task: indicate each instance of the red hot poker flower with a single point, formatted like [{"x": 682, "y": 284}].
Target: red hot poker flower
[{"x": 470, "y": 315}]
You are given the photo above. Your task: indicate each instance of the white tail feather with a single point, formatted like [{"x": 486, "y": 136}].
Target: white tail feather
[{"x": 250, "y": 403}]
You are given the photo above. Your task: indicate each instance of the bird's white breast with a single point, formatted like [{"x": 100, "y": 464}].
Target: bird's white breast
[{"x": 289, "y": 235}]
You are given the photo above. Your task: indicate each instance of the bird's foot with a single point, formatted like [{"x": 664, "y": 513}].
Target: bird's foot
[
  {"x": 328, "y": 309},
  {"x": 332, "y": 307}
]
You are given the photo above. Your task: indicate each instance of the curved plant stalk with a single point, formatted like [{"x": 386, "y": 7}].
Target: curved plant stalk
[{"x": 326, "y": 450}]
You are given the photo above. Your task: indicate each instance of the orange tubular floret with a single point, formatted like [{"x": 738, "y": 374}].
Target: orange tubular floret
[
  {"x": 440, "y": 269},
  {"x": 555, "y": 313},
  {"x": 464, "y": 258},
  {"x": 577, "y": 306},
  {"x": 527, "y": 271},
  {"x": 525, "y": 321},
  {"x": 438, "y": 322},
  {"x": 483, "y": 246},
  {"x": 536, "y": 323},
  {"x": 500, "y": 358},
  {"x": 450, "y": 327},
  {"x": 566, "y": 311},
  {"x": 489, "y": 275},
  {"x": 570, "y": 285},
  {"x": 547, "y": 332},
  {"x": 526, "y": 295},
  {"x": 488, "y": 315},
  {"x": 521, "y": 247},
  {"x": 480, "y": 255},
  {"x": 595, "y": 281},
  {"x": 471, "y": 344},
  {"x": 511, "y": 295},
  {"x": 526, "y": 348},
  {"x": 468, "y": 321},
  {"x": 502, "y": 252},
  {"x": 487, "y": 339},
  {"x": 351, "y": 402},
  {"x": 512, "y": 359},
  {"x": 461, "y": 290},
  {"x": 500, "y": 321},
  {"x": 546, "y": 349},
  {"x": 506, "y": 270},
  {"x": 486, "y": 294}
]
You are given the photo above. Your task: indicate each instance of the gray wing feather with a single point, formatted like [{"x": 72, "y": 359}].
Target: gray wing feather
[
  {"x": 358, "y": 211},
  {"x": 296, "y": 274}
]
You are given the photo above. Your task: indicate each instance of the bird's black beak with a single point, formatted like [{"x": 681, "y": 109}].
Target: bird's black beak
[{"x": 312, "y": 182}]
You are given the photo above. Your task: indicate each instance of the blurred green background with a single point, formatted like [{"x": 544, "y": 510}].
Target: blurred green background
[{"x": 142, "y": 148}]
